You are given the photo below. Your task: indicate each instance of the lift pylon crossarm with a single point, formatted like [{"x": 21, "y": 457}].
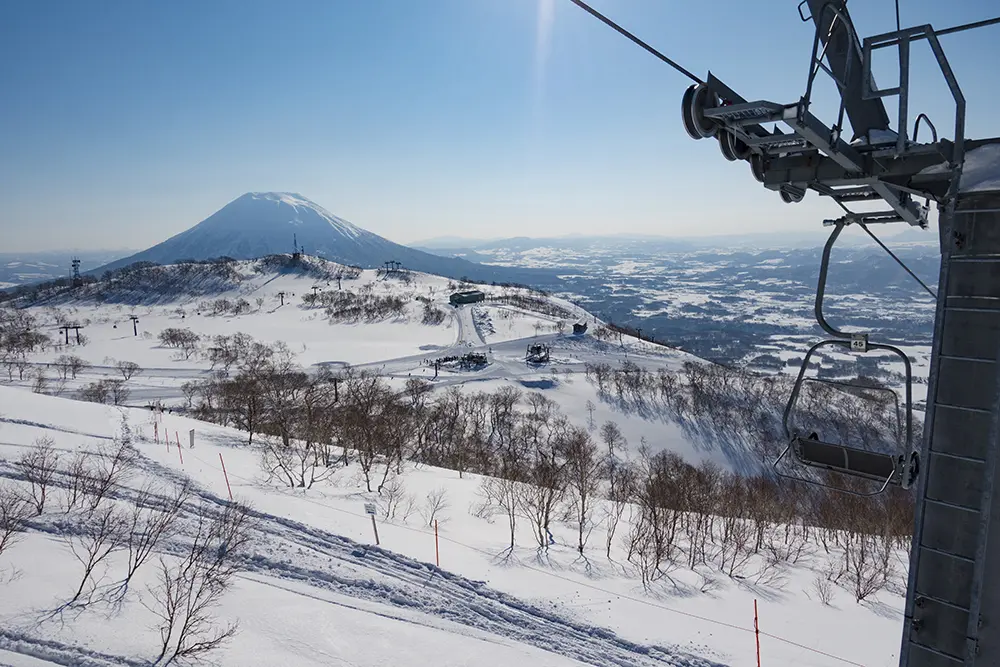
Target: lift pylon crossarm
[
  {"x": 843, "y": 52},
  {"x": 878, "y": 163}
]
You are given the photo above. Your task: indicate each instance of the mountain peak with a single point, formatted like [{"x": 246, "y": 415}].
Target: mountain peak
[
  {"x": 256, "y": 224},
  {"x": 293, "y": 198},
  {"x": 277, "y": 210}
]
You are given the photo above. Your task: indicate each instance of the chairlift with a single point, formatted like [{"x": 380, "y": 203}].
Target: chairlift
[{"x": 885, "y": 469}]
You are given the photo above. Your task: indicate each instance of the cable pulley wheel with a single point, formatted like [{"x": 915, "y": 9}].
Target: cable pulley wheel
[
  {"x": 686, "y": 116},
  {"x": 791, "y": 195},
  {"x": 757, "y": 166},
  {"x": 733, "y": 148},
  {"x": 702, "y": 98},
  {"x": 725, "y": 138},
  {"x": 740, "y": 148}
]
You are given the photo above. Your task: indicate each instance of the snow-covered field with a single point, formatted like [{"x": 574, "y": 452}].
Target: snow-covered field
[{"x": 316, "y": 591}]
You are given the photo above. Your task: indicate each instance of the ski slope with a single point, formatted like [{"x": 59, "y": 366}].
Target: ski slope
[
  {"x": 316, "y": 591},
  {"x": 399, "y": 347}
]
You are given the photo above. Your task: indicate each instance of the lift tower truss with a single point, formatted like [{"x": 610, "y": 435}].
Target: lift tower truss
[{"x": 952, "y": 615}]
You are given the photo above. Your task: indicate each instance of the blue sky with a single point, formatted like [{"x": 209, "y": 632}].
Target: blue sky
[{"x": 123, "y": 122}]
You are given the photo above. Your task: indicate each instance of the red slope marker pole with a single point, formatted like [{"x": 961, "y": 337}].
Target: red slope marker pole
[
  {"x": 437, "y": 549},
  {"x": 180, "y": 453},
  {"x": 156, "y": 433},
  {"x": 756, "y": 630},
  {"x": 226, "y": 475}
]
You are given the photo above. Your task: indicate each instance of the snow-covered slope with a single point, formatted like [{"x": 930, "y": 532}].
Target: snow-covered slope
[
  {"x": 275, "y": 291},
  {"x": 316, "y": 591},
  {"x": 396, "y": 326},
  {"x": 265, "y": 223}
]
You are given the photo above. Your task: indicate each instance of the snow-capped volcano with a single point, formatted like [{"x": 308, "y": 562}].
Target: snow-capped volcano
[
  {"x": 267, "y": 223},
  {"x": 305, "y": 213}
]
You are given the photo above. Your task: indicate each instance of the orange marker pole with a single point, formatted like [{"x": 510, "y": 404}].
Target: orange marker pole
[
  {"x": 226, "y": 475},
  {"x": 437, "y": 549},
  {"x": 756, "y": 630}
]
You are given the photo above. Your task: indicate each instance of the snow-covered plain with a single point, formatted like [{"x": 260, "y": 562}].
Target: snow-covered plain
[{"x": 317, "y": 592}]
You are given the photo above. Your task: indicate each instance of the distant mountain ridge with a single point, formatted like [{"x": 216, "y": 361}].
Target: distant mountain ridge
[
  {"x": 24, "y": 268},
  {"x": 264, "y": 223}
]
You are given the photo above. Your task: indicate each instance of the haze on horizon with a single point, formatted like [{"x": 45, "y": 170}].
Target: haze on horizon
[{"x": 125, "y": 123}]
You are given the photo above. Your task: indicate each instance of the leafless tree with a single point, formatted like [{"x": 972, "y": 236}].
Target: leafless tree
[
  {"x": 76, "y": 481},
  {"x": 128, "y": 369},
  {"x": 96, "y": 392},
  {"x": 150, "y": 520},
  {"x": 823, "y": 588},
  {"x": 590, "y": 414},
  {"x": 70, "y": 366},
  {"x": 501, "y": 495},
  {"x": 41, "y": 383},
  {"x": 583, "y": 473},
  {"x": 179, "y": 338},
  {"x": 118, "y": 391},
  {"x": 15, "y": 510},
  {"x": 613, "y": 439},
  {"x": 653, "y": 541},
  {"x": 77, "y": 365},
  {"x": 21, "y": 364},
  {"x": 375, "y": 424},
  {"x": 101, "y": 533},
  {"x": 416, "y": 390},
  {"x": 299, "y": 463},
  {"x": 435, "y": 504},
  {"x": 538, "y": 498},
  {"x": 190, "y": 391},
  {"x": 394, "y": 500},
  {"x": 109, "y": 466},
  {"x": 39, "y": 466},
  {"x": 187, "y": 592},
  {"x": 868, "y": 564}
]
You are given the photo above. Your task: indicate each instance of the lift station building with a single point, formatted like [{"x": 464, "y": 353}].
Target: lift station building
[{"x": 471, "y": 296}]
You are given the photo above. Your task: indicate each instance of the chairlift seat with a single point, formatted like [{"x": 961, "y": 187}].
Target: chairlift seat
[{"x": 848, "y": 460}]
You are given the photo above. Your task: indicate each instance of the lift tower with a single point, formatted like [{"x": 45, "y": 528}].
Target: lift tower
[{"x": 952, "y": 615}]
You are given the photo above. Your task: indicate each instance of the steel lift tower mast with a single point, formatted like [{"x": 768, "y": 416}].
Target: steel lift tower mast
[{"x": 952, "y": 615}]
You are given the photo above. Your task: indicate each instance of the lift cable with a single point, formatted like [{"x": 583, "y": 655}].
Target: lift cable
[
  {"x": 898, "y": 260},
  {"x": 968, "y": 26},
  {"x": 601, "y": 17}
]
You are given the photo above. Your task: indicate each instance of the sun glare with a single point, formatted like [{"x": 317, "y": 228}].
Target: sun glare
[{"x": 543, "y": 43}]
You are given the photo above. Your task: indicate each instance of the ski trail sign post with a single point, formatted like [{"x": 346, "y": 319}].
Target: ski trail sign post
[{"x": 370, "y": 510}]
